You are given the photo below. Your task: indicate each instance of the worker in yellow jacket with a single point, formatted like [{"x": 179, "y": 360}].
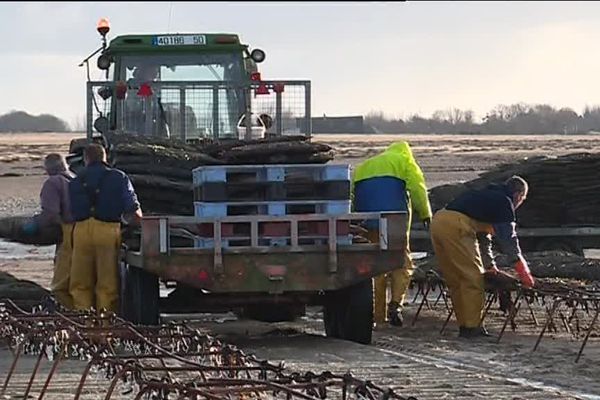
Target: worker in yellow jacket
[{"x": 391, "y": 181}]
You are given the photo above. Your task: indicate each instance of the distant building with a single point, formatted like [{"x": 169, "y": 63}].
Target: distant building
[
  {"x": 353, "y": 124},
  {"x": 350, "y": 124}
]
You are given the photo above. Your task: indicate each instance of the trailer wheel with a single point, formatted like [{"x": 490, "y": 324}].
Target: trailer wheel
[
  {"x": 139, "y": 296},
  {"x": 561, "y": 245},
  {"x": 348, "y": 313}
]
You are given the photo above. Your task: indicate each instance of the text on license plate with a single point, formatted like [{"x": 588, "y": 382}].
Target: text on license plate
[{"x": 179, "y": 40}]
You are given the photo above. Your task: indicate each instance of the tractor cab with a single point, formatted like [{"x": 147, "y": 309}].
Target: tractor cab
[{"x": 185, "y": 86}]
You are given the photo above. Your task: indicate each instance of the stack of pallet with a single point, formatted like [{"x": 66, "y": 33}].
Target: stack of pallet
[{"x": 272, "y": 190}]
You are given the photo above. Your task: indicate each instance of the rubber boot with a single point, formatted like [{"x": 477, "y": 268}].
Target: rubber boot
[
  {"x": 471, "y": 333},
  {"x": 395, "y": 314}
]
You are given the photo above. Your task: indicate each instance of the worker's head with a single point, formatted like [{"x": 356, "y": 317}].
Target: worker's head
[
  {"x": 146, "y": 73},
  {"x": 94, "y": 153},
  {"x": 519, "y": 189},
  {"x": 55, "y": 164}
]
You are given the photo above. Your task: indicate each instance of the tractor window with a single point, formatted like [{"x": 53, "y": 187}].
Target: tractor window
[
  {"x": 182, "y": 109},
  {"x": 197, "y": 67},
  {"x": 192, "y": 73}
]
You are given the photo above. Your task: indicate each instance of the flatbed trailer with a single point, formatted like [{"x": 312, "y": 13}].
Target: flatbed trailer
[{"x": 338, "y": 277}]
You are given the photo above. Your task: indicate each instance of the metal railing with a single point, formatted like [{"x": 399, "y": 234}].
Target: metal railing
[
  {"x": 392, "y": 234},
  {"x": 200, "y": 109}
]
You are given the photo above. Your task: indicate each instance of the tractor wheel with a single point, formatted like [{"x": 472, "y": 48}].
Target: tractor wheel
[
  {"x": 139, "y": 296},
  {"x": 348, "y": 313}
]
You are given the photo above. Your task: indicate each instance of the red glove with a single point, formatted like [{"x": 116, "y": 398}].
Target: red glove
[{"x": 522, "y": 270}]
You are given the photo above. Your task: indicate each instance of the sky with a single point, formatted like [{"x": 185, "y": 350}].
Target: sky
[{"x": 400, "y": 58}]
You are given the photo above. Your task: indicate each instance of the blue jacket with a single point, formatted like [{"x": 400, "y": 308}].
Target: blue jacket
[
  {"x": 103, "y": 193},
  {"x": 382, "y": 193},
  {"x": 492, "y": 205}
]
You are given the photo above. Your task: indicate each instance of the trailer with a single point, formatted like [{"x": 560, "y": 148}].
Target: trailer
[{"x": 283, "y": 278}]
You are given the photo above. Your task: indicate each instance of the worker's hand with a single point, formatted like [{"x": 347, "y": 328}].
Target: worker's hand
[
  {"x": 427, "y": 223},
  {"x": 522, "y": 270},
  {"x": 30, "y": 228}
]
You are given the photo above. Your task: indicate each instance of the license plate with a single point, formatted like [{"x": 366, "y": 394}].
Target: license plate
[{"x": 179, "y": 40}]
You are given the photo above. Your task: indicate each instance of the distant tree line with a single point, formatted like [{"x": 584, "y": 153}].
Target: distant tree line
[
  {"x": 503, "y": 119},
  {"x": 20, "y": 121}
]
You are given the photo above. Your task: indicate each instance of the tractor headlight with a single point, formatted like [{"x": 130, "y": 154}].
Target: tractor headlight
[
  {"x": 101, "y": 124},
  {"x": 104, "y": 61},
  {"x": 258, "y": 55}
]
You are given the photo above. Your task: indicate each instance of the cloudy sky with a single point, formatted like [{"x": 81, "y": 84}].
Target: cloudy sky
[{"x": 399, "y": 58}]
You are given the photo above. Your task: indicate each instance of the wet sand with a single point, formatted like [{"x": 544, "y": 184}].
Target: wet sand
[{"x": 416, "y": 360}]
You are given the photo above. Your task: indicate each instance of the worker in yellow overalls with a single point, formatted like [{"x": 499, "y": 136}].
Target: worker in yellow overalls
[
  {"x": 56, "y": 210},
  {"x": 467, "y": 224},
  {"x": 100, "y": 198},
  {"x": 391, "y": 181}
]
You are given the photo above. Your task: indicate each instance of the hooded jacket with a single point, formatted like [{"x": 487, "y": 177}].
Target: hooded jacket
[{"x": 390, "y": 181}]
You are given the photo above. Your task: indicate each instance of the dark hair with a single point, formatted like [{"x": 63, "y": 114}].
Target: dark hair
[
  {"x": 94, "y": 152},
  {"x": 516, "y": 184}
]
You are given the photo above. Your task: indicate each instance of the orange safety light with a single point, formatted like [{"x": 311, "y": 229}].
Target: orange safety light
[{"x": 103, "y": 26}]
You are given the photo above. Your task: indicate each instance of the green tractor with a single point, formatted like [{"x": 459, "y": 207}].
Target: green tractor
[{"x": 187, "y": 87}]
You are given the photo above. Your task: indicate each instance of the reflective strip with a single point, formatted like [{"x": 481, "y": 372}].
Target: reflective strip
[{"x": 163, "y": 235}]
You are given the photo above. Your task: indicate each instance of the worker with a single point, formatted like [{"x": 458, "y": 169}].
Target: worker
[
  {"x": 391, "y": 181},
  {"x": 101, "y": 197},
  {"x": 145, "y": 113},
  {"x": 145, "y": 73},
  {"x": 54, "y": 202},
  {"x": 460, "y": 228}
]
